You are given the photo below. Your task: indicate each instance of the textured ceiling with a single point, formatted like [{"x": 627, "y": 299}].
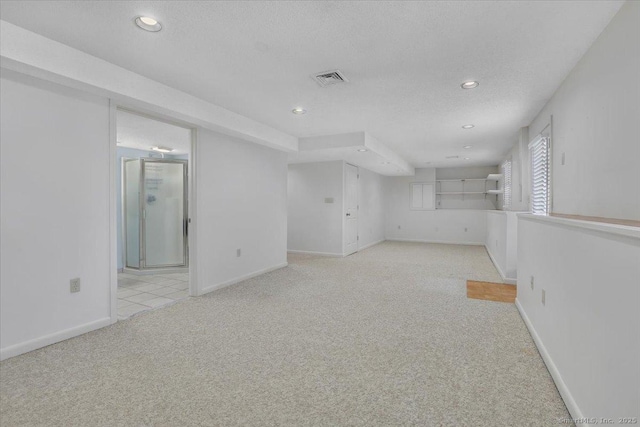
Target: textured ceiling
[{"x": 405, "y": 62}]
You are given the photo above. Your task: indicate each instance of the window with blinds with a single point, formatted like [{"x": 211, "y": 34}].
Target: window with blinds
[
  {"x": 540, "y": 175},
  {"x": 506, "y": 184}
]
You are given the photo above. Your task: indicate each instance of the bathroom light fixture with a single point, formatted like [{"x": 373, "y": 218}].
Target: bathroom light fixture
[
  {"x": 362, "y": 150},
  {"x": 298, "y": 110},
  {"x": 469, "y": 85},
  {"x": 468, "y": 126},
  {"x": 162, "y": 149},
  {"x": 148, "y": 24},
  {"x": 466, "y": 147}
]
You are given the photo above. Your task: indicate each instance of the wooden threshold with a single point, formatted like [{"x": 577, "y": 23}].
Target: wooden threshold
[{"x": 490, "y": 291}]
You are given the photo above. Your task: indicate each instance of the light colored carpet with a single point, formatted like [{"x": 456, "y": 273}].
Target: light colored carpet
[{"x": 384, "y": 337}]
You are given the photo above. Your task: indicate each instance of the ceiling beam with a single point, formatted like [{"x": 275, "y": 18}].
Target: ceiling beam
[{"x": 32, "y": 54}]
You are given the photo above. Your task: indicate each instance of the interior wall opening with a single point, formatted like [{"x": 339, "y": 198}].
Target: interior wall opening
[{"x": 153, "y": 212}]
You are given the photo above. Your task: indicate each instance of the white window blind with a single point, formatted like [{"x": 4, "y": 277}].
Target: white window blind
[
  {"x": 540, "y": 176},
  {"x": 506, "y": 173}
]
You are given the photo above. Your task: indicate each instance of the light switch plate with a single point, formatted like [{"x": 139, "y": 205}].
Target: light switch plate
[{"x": 544, "y": 297}]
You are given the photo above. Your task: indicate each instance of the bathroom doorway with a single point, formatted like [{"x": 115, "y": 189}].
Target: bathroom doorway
[{"x": 153, "y": 205}]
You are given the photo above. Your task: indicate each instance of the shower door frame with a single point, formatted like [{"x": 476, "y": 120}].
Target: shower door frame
[
  {"x": 142, "y": 213},
  {"x": 142, "y": 255}
]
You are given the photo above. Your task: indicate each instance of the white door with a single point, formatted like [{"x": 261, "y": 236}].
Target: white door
[{"x": 351, "y": 209}]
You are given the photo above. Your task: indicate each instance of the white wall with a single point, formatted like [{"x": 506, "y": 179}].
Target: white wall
[
  {"x": 241, "y": 201},
  {"x": 501, "y": 243},
  {"x": 55, "y": 159},
  {"x": 520, "y": 170},
  {"x": 447, "y": 226},
  {"x": 314, "y": 225},
  {"x": 595, "y": 123},
  {"x": 588, "y": 329},
  {"x": 372, "y": 202}
]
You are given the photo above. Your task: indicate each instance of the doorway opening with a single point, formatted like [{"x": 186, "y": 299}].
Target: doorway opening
[
  {"x": 153, "y": 212},
  {"x": 352, "y": 208}
]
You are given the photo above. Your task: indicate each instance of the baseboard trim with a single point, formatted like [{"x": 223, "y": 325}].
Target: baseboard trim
[
  {"x": 505, "y": 279},
  {"x": 36, "y": 343},
  {"x": 371, "y": 244},
  {"x": 569, "y": 402},
  {"x": 436, "y": 241},
  {"x": 329, "y": 254},
  {"x": 240, "y": 279}
]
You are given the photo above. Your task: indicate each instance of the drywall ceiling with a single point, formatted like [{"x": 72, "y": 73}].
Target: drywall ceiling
[
  {"x": 357, "y": 148},
  {"x": 404, "y": 61},
  {"x": 135, "y": 131}
]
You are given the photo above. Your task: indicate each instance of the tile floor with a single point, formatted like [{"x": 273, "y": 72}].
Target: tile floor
[{"x": 138, "y": 293}]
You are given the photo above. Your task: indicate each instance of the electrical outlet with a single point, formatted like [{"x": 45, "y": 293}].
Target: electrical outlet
[
  {"x": 74, "y": 285},
  {"x": 531, "y": 282},
  {"x": 544, "y": 298},
  {"x": 238, "y": 252}
]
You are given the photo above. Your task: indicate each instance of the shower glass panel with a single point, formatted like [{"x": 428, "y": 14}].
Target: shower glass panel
[
  {"x": 155, "y": 213},
  {"x": 131, "y": 203},
  {"x": 164, "y": 214}
]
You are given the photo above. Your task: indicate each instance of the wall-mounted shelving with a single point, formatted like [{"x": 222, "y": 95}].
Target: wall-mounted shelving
[{"x": 452, "y": 193}]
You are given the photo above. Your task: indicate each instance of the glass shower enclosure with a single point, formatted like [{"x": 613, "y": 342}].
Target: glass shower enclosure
[{"x": 155, "y": 213}]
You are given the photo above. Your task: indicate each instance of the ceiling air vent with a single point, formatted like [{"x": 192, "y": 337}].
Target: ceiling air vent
[{"x": 329, "y": 78}]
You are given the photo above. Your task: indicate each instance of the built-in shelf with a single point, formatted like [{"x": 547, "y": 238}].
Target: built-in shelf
[
  {"x": 461, "y": 192},
  {"x": 460, "y": 179}
]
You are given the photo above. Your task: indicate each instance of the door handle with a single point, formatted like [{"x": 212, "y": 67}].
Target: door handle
[{"x": 348, "y": 214}]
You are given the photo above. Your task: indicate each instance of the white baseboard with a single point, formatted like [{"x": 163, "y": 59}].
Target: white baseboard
[
  {"x": 393, "y": 239},
  {"x": 569, "y": 402},
  {"x": 240, "y": 279},
  {"x": 36, "y": 343},
  {"x": 505, "y": 279},
  {"x": 370, "y": 244},
  {"x": 330, "y": 254}
]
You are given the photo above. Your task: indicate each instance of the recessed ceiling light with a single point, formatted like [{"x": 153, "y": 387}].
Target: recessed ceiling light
[
  {"x": 147, "y": 23},
  {"x": 468, "y": 126},
  {"x": 469, "y": 85},
  {"x": 466, "y": 158},
  {"x": 466, "y": 147},
  {"x": 162, "y": 149},
  {"x": 362, "y": 150},
  {"x": 298, "y": 110}
]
